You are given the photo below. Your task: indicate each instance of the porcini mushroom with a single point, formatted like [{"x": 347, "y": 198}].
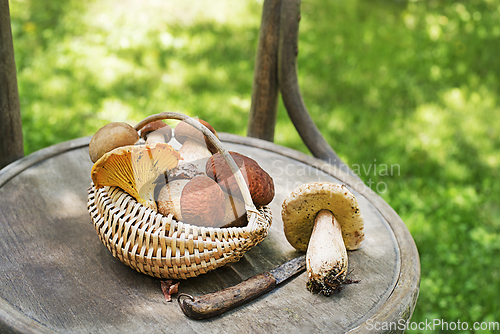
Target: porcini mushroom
[
  {"x": 156, "y": 132},
  {"x": 199, "y": 201},
  {"x": 182, "y": 171},
  {"x": 196, "y": 148},
  {"x": 169, "y": 198},
  {"x": 259, "y": 182},
  {"x": 234, "y": 212},
  {"x": 135, "y": 169},
  {"x": 323, "y": 218},
  {"x": 111, "y": 136}
]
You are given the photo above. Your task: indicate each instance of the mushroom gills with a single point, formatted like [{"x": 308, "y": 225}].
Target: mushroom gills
[
  {"x": 135, "y": 169},
  {"x": 326, "y": 257}
]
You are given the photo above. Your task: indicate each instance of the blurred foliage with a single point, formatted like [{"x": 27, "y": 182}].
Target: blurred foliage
[{"x": 411, "y": 84}]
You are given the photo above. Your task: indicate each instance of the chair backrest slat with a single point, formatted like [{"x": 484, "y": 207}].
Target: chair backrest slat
[
  {"x": 264, "y": 107},
  {"x": 11, "y": 134}
]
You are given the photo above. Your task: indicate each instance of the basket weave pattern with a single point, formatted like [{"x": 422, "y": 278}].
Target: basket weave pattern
[{"x": 162, "y": 247}]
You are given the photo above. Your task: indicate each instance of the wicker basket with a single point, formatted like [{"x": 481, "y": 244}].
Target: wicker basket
[{"x": 160, "y": 246}]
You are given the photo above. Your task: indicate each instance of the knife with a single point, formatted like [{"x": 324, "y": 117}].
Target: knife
[{"x": 218, "y": 302}]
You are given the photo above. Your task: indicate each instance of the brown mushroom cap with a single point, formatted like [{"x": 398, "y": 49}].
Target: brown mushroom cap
[
  {"x": 202, "y": 202},
  {"x": 199, "y": 201},
  {"x": 183, "y": 131},
  {"x": 111, "y": 136},
  {"x": 260, "y": 183},
  {"x": 300, "y": 208},
  {"x": 155, "y": 126}
]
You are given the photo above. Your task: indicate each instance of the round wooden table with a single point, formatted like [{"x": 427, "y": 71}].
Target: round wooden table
[{"x": 56, "y": 275}]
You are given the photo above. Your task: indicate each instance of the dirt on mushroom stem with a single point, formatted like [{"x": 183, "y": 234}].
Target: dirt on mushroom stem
[
  {"x": 323, "y": 219},
  {"x": 333, "y": 282},
  {"x": 326, "y": 256}
]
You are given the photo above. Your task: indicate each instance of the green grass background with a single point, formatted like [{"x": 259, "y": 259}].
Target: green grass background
[{"x": 412, "y": 83}]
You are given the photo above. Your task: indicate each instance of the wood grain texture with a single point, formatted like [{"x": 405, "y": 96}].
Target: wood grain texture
[
  {"x": 55, "y": 272},
  {"x": 264, "y": 106},
  {"x": 11, "y": 135}
]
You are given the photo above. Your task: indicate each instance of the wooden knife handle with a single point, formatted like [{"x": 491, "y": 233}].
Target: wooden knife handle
[{"x": 224, "y": 300}]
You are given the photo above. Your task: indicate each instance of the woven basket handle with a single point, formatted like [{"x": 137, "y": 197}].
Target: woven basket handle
[{"x": 250, "y": 207}]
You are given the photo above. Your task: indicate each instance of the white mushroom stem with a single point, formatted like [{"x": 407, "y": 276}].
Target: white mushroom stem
[
  {"x": 169, "y": 201},
  {"x": 326, "y": 257},
  {"x": 155, "y": 137},
  {"x": 194, "y": 152},
  {"x": 234, "y": 209}
]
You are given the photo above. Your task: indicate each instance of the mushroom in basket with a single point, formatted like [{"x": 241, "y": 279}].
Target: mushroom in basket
[
  {"x": 216, "y": 196},
  {"x": 260, "y": 185},
  {"x": 111, "y": 136},
  {"x": 156, "y": 132},
  {"x": 135, "y": 169},
  {"x": 219, "y": 208},
  {"x": 195, "y": 149},
  {"x": 199, "y": 201},
  {"x": 259, "y": 182},
  {"x": 323, "y": 218}
]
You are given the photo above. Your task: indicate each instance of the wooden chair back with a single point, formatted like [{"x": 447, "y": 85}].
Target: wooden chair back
[
  {"x": 11, "y": 135},
  {"x": 275, "y": 72}
]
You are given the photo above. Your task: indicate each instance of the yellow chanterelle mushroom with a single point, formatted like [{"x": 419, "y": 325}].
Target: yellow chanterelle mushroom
[{"x": 135, "y": 169}]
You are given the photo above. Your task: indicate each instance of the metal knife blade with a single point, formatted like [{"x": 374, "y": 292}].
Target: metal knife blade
[
  {"x": 288, "y": 269},
  {"x": 216, "y": 303}
]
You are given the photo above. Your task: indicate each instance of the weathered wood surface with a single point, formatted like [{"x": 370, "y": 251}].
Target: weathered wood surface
[
  {"x": 11, "y": 135},
  {"x": 264, "y": 107},
  {"x": 55, "y": 275}
]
